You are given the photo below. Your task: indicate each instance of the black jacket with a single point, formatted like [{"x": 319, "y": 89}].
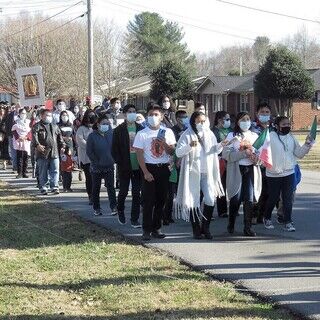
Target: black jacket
[
  {"x": 121, "y": 146},
  {"x": 41, "y": 135}
]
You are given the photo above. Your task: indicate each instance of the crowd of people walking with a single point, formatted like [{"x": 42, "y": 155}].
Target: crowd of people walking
[{"x": 178, "y": 167}]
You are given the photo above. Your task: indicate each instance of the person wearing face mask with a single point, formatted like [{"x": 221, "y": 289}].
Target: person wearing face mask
[
  {"x": 127, "y": 164},
  {"x": 21, "y": 131},
  {"x": 243, "y": 181},
  {"x": 82, "y": 134},
  {"x": 9, "y": 122},
  {"x": 48, "y": 142},
  {"x": 285, "y": 150},
  {"x": 98, "y": 148},
  {"x": 61, "y": 106},
  {"x": 141, "y": 120},
  {"x": 66, "y": 159},
  {"x": 114, "y": 113},
  {"x": 198, "y": 150},
  {"x": 169, "y": 119},
  {"x": 263, "y": 116},
  {"x": 198, "y": 106},
  {"x": 221, "y": 130},
  {"x": 154, "y": 146},
  {"x": 182, "y": 124}
]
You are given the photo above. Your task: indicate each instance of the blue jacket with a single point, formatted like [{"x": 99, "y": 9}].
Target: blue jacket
[{"x": 99, "y": 151}]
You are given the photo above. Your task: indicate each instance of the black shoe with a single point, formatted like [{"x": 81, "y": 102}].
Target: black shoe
[
  {"x": 97, "y": 212},
  {"x": 165, "y": 222},
  {"x": 25, "y": 176},
  {"x": 171, "y": 220},
  {"x": 157, "y": 234},
  {"x": 223, "y": 215},
  {"x": 44, "y": 192},
  {"x": 249, "y": 233},
  {"x": 121, "y": 218},
  {"x": 208, "y": 235},
  {"x": 55, "y": 191},
  {"x": 230, "y": 229},
  {"x": 146, "y": 236},
  {"x": 19, "y": 176},
  {"x": 197, "y": 236}
]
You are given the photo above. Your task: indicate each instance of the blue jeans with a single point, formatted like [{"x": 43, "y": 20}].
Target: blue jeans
[
  {"x": 284, "y": 186},
  {"x": 108, "y": 177},
  {"x": 13, "y": 154},
  {"x": 48, "y": 169}
]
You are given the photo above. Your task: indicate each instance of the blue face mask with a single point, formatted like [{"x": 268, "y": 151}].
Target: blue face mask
[
  {"x": 131, "y": 117},
  {"x": 226, "y": 123},
  {"x": 185, "y": 121},
  {"x": 104, "y": 128},
  {"x": 245, "y": 125},
  {"x": 264, "y": 119}
]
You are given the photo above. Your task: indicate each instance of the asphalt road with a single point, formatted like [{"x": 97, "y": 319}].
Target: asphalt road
[{"x": 276, "y": 264}]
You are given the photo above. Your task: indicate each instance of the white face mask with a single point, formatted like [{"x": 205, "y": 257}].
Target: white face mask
[
  {"x": 131, "y": 117},
  {"x": 61, "y": 106},
  {"x": 117, "y": 106},
  {"x": 23, "y": 116},
  {"x": 76, "y": 110},
  {"x": 166, "y": 105},
  {"x": 200, "y": 127},
  {"x": 245, "y": 125},
  {"x": 154, "y": 121},
  {"x": 48, "y": 119}
]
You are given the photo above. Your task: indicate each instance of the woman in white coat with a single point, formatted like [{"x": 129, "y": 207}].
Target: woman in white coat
[{"x": 199, "y": 171}]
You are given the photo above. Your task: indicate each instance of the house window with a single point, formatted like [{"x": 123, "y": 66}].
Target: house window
[
  {"x": 217, "y": 102},
  {"x": 244, "y": 102}
]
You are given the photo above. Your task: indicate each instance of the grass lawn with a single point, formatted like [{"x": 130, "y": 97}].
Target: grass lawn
[{"x": 55, "y": 266}]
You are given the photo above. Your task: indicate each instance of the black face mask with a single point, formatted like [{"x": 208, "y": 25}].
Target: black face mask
[{"x": 285, "y": 130}]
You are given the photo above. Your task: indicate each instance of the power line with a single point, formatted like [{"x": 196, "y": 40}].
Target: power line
[
  {"x": 267, "y": 11},
  {"x": 191, "y": 25},
  {"x": 52, "y": 30},
  {"x": 27, "y": 5},
  {"x": 42, "y": 21},
  {"x": 187, "y": 17},
  {"x": 12, "y": 14}
]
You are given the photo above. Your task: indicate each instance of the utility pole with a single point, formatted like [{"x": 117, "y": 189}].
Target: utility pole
[
  {"x": 240, "y": 66},
  {"x": 90, "y": 51}
]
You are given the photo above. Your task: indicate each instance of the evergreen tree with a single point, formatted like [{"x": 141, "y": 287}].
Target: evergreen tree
[
  {"x": 173, "y": 79},
  {"x": 150, "y": 41},
  {"x": 283, "y": 78}
]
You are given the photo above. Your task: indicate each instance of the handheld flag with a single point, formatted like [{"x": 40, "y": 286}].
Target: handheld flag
[
  {"x": 262, "y": 144},
  {"x": 313, "y": 130}
]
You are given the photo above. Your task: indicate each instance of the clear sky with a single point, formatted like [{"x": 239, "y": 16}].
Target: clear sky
[{"x": 206, "y": 23}]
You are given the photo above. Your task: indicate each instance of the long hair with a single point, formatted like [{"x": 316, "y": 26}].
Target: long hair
[
  {"x": 85, "y": 119},
  {"x": 172, "y": 106},
  {"x": 193, "y": 126},
  {"x": 237, "y": 131},
  {"x": 219, "y": 115}
]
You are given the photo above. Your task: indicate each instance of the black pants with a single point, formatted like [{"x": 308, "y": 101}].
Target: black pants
[
  {"x": 22, "y": 161},
  {"x": 124, "y": 181},
  {"x": 155, "y": 196},
  {"x": 108, "y": 177},
  {"x": 66, "y": 180},
  {"x": 87, "y": 174},
  {"x": 222, "y": 206}
]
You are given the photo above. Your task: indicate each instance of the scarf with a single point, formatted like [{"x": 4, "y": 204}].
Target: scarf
[{"x": 188, "y": 195}]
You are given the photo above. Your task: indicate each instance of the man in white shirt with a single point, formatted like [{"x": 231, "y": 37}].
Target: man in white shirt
[
  {"x": 154, "y": 146},
  {"x": 61, "y": 106}
]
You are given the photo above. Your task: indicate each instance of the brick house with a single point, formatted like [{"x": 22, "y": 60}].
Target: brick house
[{"x": 236, "y": 93}]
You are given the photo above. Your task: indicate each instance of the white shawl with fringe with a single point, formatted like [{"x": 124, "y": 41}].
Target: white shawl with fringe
[{"x": 188, "y": 195}]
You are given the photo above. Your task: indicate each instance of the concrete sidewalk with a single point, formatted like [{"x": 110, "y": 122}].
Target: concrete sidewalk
[{"x": 282, "y": 266}]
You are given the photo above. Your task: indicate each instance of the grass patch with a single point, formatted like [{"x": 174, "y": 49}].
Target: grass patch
[{"x": 53, "y": 265}]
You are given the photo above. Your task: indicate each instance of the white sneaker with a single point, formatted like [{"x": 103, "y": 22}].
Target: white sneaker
[
  {"x": 289, "y": 227},
  {"x": 268, "y": 224}
]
